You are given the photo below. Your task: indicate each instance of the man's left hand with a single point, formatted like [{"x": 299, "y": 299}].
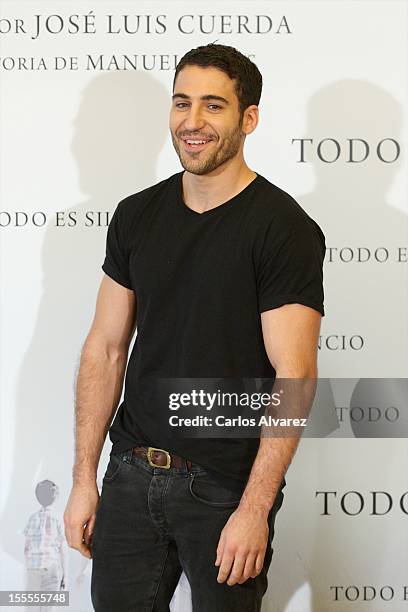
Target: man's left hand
[{"x": 242, "y": 545}]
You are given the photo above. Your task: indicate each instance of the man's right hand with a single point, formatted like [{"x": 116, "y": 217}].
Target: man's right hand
[{"x": 79, "y": 517}]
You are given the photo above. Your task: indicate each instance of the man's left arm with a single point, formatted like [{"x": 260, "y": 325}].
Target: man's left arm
[{"x": 290, "y": 335}]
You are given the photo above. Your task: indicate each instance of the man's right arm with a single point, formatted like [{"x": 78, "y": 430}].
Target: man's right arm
[{"x": 98, "y": 390}]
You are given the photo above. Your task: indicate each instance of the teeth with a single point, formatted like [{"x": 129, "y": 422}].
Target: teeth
[{"x": 196, "y": 141}]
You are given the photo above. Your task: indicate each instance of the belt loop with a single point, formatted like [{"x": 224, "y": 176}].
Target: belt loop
[{"x": 127, "y": 457}]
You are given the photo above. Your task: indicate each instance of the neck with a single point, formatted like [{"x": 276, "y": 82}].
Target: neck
[{"x": 203, "y": 192}]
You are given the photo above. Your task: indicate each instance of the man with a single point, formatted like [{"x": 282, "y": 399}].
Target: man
[{"x": 226, "y": 271}]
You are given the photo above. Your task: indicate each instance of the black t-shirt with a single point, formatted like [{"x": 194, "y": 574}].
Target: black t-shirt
[{"x": 201, "y": 281}]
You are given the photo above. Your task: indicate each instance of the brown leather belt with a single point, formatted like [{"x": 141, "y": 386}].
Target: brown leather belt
[{"x": 158, "y": 457}]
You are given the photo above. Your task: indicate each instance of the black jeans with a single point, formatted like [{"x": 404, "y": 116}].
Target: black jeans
[{"x": 152, "y": 524}]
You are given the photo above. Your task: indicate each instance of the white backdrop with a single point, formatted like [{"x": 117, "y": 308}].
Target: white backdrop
[{"x": 74, "y": 142}]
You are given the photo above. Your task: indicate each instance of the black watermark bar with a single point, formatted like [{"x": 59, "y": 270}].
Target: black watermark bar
[{"x": 281, "y": 407}]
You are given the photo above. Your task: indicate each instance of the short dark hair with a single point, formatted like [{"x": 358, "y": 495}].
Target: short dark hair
[{"x": 248, "y": 79}]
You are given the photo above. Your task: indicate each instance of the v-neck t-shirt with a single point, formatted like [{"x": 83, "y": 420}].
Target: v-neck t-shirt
[{"x": 201, "y": 282}]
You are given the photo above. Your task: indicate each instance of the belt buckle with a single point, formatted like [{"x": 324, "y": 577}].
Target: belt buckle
[{"x": 150, "y": 449}]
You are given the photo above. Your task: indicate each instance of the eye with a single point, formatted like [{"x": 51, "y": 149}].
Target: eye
[
  {"x": 181, "y": 104},
  {"x": 214, "y": 106}
]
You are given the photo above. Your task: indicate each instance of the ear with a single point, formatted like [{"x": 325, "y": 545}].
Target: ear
[{"x": 250, "y": 119}]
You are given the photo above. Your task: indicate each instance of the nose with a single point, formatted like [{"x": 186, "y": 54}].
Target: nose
[{"x": 194, "y": 120}]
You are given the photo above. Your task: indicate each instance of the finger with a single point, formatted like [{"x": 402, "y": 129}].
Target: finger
[
  {"x": 76, "y": 540},
  {"x": 237, "y": 569},
  {"x": 220, "y": 549},
  {"x": 259, "y": 562},
  {"x": 249, "y": 569},
  {"x": 67, "y": 531},
  {"x": 226, "y": 563},
  {"x": 88, "y": 531}
]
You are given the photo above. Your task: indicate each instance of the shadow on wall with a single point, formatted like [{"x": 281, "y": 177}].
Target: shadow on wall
[
  {"x": 119, "y": 131},
  {"x": 349, "y": 201}
]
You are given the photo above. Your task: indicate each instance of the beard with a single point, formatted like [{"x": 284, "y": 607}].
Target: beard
[{"x": 204, "y": 162}]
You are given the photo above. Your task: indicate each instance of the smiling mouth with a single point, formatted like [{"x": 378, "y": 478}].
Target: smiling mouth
[{"x": 195, "y": 144}]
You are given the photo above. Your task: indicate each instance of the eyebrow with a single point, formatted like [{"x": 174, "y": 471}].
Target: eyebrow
[{"x": 206, "y": 97}]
